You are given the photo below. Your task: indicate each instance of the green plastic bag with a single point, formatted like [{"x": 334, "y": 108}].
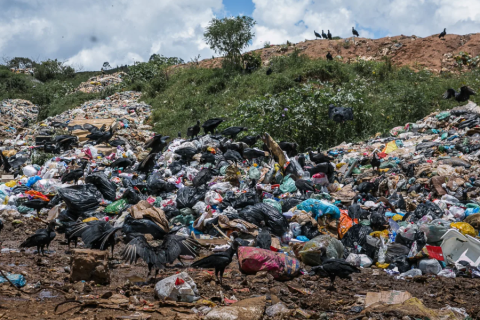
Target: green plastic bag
[
  {"x": 443, "y": 115},
  {"x": 288, "y": 185},
  {"x": 183, "y": 219},
  {"x": 223, "y": 170},
  {"x": 254, "y": 173},
  {"x": 158, "y": 202},
  {"x": 274, "y": 204},
  {"x": 23, "y": 209},
  {"x": 116, "y": 207}
]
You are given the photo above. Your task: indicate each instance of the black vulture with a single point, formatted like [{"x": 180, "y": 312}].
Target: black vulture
[
  {"x": 186, "y": 153},
  {"x": 41, "y": 238},
  {"x": 319, "y": 157},
  {"x": 463, "y": 95},
  {"x": 207, "y": 157},
  {"x": 304, "y": 186},
  {"x": 193, "y": 131},
  {"x": 375, "y": 162},
  {"x": 219, "y": 261},
  {"x": 355, "y": 32},
  {"x": 269, "y": 71},
  {"x": 333, "y": 268},
  {"x": 37, "y": 204},
  {"x": 157, "y": 143},
  {"x": 324, "y": 35},
  {"x": 317, "y": 35},
  {"x": 329, "y": 56},
  {"x": 233, "y": 131},
  {"x": 74, "y": 174},
  {"x": 329, "y": 35},
  {"x": 443, "y": 33},
  {"x": 289, "y": 147},
  {"x": 122, "y": 163},
  {"x": 250, "y": 140},
  {"x": 298, "y": 79},
  {"x": 6, "y": 165},
  {"x": 117, "y": 142},
  {"x": 147, "y": 164},
  {"x": 94, "y": 233},
  {"x": 233, "y": 155},
  {"x": 251, "y": 154},
  {"x": 211, "y": 124}
]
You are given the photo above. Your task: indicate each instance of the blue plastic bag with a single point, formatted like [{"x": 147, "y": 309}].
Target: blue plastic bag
[
  {"x": 17, "y": 279},
  {"x": 471, "y": 211},
  {"x": 319, "y": 208},
  {"x": 31, "y": 181}
]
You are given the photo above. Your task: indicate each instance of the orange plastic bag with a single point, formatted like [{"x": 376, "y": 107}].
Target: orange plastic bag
[
  {"x": 344, "y": 223},
  {"x": 37, "y": 195}
]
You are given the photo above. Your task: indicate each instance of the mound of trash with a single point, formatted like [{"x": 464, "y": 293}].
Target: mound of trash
[
  {"x": 101, "y": 82},
  {"x": 15, "y": 114},
  {"x": 408, "y": 203}
]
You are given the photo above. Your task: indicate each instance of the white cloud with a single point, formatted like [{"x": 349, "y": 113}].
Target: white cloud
[
  {"x": 128, "y": 30},
  {"x": 124, "y": 30}
]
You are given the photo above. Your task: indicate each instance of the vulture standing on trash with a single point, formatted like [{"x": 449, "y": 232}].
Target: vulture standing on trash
[
  {"x": 333, "y": 268},
  {"x": 324, "y": 35},
  {"x": 186, "y": 153},
  {"x": 462, "y": 96},
  {"x": 211, "y": 124},
  {"x": 443, "y": 33},
  {"x": 251, "y": 154},
  {"x": 117, "y": 142},
  {"x": 304, "y": 186},
  {"x": 289, "y": 147},
  {"x": 157, "y": 143},
  {"x": 74, "y": 174},
  {"x": 355, "y": 32},
  {"x": 207, "y": 157},
  {"x": 250, "y": 140},
  {"x": 329, "y": 56},
  {"x": 329, "y": 35},
  {"x": 6, "y": 165},
  {"x": 219, "y": 261},
  {"x": 375, "y": 161},
  {"x": 106, "y": 136},
  {"x": 317, "y": 35},
  {"x": 232, "y": 132},
  {"x": 193, "y": 131},
  {"x": 319, "y": 157},
  {"x": 122, "y": 163},
  {"x": 41, "y": 238},
  {"x": 94, "y": 233},
  {"x": 264, "y": 239},
  {"x": 147, "y": 164},
  {"x": 233, "y": 156}
]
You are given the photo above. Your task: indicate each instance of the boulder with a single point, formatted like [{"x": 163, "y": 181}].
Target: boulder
[{"x": 90, "y": 265}]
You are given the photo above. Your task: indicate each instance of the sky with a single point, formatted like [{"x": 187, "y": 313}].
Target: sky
[{"x": 87, "y": 33}]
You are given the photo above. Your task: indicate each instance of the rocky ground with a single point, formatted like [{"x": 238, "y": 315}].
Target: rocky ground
[
  {"x": 432, "y": 53},
  {"x": 130, "y": 296}
]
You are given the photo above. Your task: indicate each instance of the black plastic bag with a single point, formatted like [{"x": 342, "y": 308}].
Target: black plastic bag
[
  {"x": 395, "y": 251},
  {"x": 20, "y": 189},
  {"x": 355, "y": 211},
  {"x": 378, "y": 220},
  {"x": 398, "y": 201},
  {"x": 340, "y": 114},
  {"x": 357, "y": 233},
  {"x": 80, "y": 198},
  {"x": 175, "y": 167},
  {"x": 156, "y": 185},
  {"x": 366, "y": 187},
  {"x": 203, "y": 177},
  {"x": 289, "y": 203},
  {"x": 422, "y": 210},
  {"x": 106, "y": 187},
  {"x": 270, "y": 216},
  {"x": 132, "y": 196},
  {"x": 245, "y": 199},
  {"x": 187, "y": 197},
  {"x": 228, "y": 200},
  {"x": 171, "y": 212},
  {"x": 401, "y": 263},
  {"x": 310, "y": 231}
]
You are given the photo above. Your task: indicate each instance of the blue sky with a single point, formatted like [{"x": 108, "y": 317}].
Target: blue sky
[{"x": 132, "y": 30}]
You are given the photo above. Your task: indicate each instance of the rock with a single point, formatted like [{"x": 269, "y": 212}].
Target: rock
[
  {"x": 248, "y": 309},
  {"x": 106, "y": 295},
  {"x": 89, "y": 265},
  {"x": 79, "y": 286},
  {"x": 67, "y": 269},
  {"x": 278, "y": 310}
]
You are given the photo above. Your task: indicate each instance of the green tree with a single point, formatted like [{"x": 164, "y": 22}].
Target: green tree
[{"x": 229, "y": 36}]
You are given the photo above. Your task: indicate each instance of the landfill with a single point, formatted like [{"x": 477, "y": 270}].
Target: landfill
[
  {"x": 223, "y": 230},
  {"x": 101, "y": 82},
  {"x": 15, "y": 114}
]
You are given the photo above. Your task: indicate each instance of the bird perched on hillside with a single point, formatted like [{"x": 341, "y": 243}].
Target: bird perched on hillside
[
  {"x": 324, "y": 35},
  {"x": 94, "y": 233},
  {"x": 329, "y": 35},
  {"x": 269, "y": 71},
  {"x": 443, "y": 33},
  {"x": 375, "y": 162},
  {"x": 250, "y": 140},
  {"x": 263, "y": 239},
  {"x": 74, "y": 174},
  {"x": 117, "y": 142},
  {"x": 193, "y": 131},
  {"x": 333, "y": 268},
  {"x": 41, "y": 238},
  {"x": 186, "y": 153},
  {"x": 207, "y": 157},
  {"x": 329, "y": 56},
  {"x": 317, "y": 35},
  {"x": 301, "y": 160},
  {"x": 65, "y": 142},
  {"x": 463, "y": 95},
  {"x": 303, "y": 186},
  {"x": 232, "y": 132},
  {"x": 37, "y": 204},
  {"x": 219, "y": 261},
  {"x": 211, "y": 124},
  {"x": 251, "y": 154},
  {"x": 355, "y": 32}
]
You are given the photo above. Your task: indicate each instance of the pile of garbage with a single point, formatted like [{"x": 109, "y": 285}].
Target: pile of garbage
[
  {"x": 101, "y": 82},
  {"x": 15, "y": 114},
  {"x": 408, "y": 203}
]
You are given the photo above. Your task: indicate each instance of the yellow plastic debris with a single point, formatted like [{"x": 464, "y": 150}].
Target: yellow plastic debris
[
  {"x": 378, "y": 234},
  {"x": 382, "y": 265},
  {"x": 390, "y": 147},
  {"x": 11, "y": 183},
  {"x": 90, "y": 219},
  {"x": 397, "y": 217},
  {"x": 341, "y": 164},
  {"x": 465, "y": 228}
]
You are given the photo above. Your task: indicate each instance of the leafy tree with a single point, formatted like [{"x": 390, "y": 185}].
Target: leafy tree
[
  {"x": 53, "y": 69},
  {"x": 159, "y": 59},
  {"x": 106, "y": 65},
  {"x": 229, "y": 36},
  {"x": 20, "y": 62}
]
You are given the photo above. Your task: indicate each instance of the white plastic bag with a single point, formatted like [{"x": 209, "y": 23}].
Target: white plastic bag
[
  {"x": 29, "y": 171},
  {"x": 213, "y": 198}
]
